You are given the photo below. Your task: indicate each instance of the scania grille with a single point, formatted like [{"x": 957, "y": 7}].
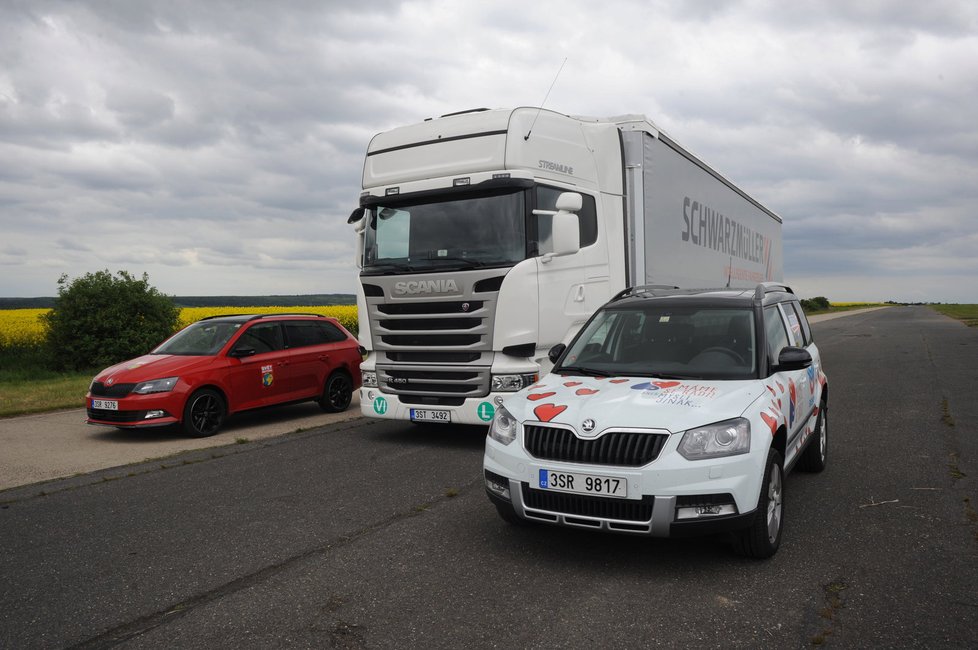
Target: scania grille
[
  {"x": 587, "y": 506},
  {"x": 117, "y": 390},
  {"x": 426, "y": 380},
  {"x": 622, "y": 448},
  {"x": 432, "y": 326}
]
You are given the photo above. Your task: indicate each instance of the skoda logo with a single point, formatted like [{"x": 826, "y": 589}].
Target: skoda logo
[
  {"x": 109, "y": 381},
  {"x": 587, "y": 425}
]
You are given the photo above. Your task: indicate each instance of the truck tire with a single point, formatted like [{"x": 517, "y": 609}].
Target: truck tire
[
  {"x": 204, "y": 413},
  {"x": 814, "y": 458},
  {"x": 763, "y": 537}
]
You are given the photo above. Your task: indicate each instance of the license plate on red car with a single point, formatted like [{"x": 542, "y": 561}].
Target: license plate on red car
[{"x": 105, "y": 404}]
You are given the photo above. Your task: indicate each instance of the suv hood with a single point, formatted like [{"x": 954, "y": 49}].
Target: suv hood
[
  {"x": 152, "y": 366},
  {"x": 633, "y": 402}
]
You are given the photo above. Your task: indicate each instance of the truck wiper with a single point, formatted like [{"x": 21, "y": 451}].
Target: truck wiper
[
  {"x": 470, "y": 263},
  {"x": 579, "y": 370}
]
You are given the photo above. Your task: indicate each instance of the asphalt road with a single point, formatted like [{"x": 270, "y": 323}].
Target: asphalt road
[{"x": 371, "y": 534}]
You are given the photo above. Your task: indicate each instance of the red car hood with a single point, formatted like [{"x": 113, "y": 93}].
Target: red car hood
[{"x": 153, "y": 366}]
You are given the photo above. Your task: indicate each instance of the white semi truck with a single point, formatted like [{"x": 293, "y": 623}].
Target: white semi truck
[{"x": 486, "y": 237}]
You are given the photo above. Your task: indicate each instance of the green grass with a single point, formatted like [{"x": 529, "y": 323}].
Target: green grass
[
  {"x": 968, "y": 314},
  {"x": 27, "y": 385}
]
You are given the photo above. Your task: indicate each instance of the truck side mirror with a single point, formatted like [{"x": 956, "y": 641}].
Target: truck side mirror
[
  {"x": 569, "y": 202},
  {"x": 566, "y": 233},
  {"x": 359, "y": 225}
]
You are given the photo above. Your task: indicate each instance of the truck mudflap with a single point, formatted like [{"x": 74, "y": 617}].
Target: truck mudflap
[{"x": 478, "y": 411}]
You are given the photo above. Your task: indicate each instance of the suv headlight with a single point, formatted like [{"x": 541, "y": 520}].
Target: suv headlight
[
  {"x": 504, "y": 426},
  {"x": 727, "y": 438},
  {"x": 512, "y": 383},
  {"x": 156, "y": 386}
]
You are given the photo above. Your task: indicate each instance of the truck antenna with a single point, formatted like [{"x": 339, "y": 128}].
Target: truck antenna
[{"x": 527, "y": 136}]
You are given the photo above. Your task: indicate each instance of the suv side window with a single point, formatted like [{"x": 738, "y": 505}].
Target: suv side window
[
  {"x": 303, "y": 333},
  {"x": 331, "y": 332},
  {"x": 776, "y": 335},
  {"x": 263, "y": 337},
  {"x": 806, "y": 329}
]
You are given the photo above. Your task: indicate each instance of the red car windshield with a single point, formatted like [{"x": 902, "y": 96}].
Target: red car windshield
[{"x": 205, "y": 338}]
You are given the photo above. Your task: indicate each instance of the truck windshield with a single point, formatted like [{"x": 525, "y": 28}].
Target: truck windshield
[
  {"x": 453, "y": 233},
  {"x": 666, "y": 341}
]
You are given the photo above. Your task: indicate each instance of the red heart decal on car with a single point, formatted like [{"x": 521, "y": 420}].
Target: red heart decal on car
[
  {"x": 665, "y": 384},
  {"x": 547, "y": 412},
  {"x": 537, "y": 396},
  {"x": 619, "y": 381},
  {"x": 572, "y": 383},
  {"x": 586, "y": 391}
]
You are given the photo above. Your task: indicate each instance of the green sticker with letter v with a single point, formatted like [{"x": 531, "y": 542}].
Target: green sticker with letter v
[
  {"x": 486, "y": 411},
  {"x": 380, "y": 406}
]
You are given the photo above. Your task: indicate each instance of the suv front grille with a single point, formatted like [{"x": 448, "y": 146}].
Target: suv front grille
[
  {"x": 622, "y": 448},
  {"x": 587, "y": 506}
]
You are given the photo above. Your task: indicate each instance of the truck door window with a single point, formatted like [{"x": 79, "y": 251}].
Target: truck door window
[{"x": 587, "y": 218}]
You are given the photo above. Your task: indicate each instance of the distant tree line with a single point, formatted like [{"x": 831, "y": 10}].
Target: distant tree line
[
  {"x": 305, "y": 300},
  {"x": 819, "y": 303}
]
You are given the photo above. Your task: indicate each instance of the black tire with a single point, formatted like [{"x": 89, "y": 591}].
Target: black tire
[
  {"x": 763, "y": 537},
  {"x": 337, "y": 393},
  {"x": 204, "y": 413},
  {"x": 816, "y": 454}
]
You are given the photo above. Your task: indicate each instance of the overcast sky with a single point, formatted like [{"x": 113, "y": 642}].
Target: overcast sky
[{"x": 218, "y": 146}]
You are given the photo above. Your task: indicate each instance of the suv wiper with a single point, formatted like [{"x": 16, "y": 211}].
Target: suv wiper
[{"x": 590, "y": 372}]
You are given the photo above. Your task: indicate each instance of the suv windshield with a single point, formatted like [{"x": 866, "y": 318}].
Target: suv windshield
[
  {"x": 458, "y": 232},
  {"x": 667, "y": 341},
  {"x": 204, "y": 338}
]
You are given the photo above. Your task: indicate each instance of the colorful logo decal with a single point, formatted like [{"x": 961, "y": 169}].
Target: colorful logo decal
[
  {"x": 267, "y": 379},
  {"x": 486, "y": 411},
  {"x": 380, "y": 406},
  {"x": 791, "y": 400},
  {"x": 547, "y": 412},
  {"x": 655, "y": 385}
]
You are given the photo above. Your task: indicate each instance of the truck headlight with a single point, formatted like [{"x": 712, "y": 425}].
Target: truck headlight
[
  {"x": 727, "y": 438},
  {"x": 368, "y": 378},
  {"x": 156, "y": 386},
  {"x": 512, "y": 383},
  {"x": 504, "y": 426}
]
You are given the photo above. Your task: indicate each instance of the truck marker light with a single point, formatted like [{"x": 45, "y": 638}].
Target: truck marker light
[
  {"x": 461, "y": 182},
  {"x": 391, "y": 191}
]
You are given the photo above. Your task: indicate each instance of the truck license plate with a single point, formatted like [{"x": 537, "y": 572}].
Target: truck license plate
[
  {"x": 605, "y": 486},
  {"x": 105, "y": 404},
  {"x": 428, "y": 415}
]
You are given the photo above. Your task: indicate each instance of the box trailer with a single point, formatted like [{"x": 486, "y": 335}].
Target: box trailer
[{"x": 486, "y": 237}]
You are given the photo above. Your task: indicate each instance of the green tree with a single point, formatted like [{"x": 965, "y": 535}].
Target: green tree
[{"x": 100, "y": 319}]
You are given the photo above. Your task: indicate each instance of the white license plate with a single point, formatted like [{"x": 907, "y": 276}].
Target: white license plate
[
  {"x": 605, "y": 486},
  {"x": 428, "y": 415},
  {"x": 105, "y": 404}
]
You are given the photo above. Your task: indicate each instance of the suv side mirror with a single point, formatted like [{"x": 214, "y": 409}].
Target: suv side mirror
[
  {"x": 239, "y": 353},
  {"x": 792, "y": 358},
  {"x": 556, "y": 351}
]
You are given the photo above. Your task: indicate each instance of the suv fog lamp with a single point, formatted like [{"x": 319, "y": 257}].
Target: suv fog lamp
[
  {"x": 512, "y": 383},
  {"x": 504, "y": 426},
  {"x": 705, "y": 511},
  {"x": 368, "y": 379},
  {"x": 152, "y": 415},
  {"x": 498, "y": 485},
  {"x": 728, "y": 438}
]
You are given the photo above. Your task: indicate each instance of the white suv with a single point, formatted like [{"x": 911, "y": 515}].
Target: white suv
[{"x": 671, "y": 413}]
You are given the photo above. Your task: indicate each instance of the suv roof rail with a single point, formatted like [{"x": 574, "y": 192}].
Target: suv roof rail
[
  {"x": 770, "y": 287},
  {"x": 642, "y": 288}
]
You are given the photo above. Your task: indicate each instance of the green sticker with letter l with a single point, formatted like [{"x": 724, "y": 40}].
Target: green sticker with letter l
[
  {"x": 486, "y": 411},
  {"x": 380, "y": 406}
]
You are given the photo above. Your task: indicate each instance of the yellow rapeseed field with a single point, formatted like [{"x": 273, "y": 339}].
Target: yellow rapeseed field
[{"x": 23, "y": 327}]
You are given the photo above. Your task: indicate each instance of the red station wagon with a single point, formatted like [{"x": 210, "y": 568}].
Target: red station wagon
[{"x": 225, "y": 364}]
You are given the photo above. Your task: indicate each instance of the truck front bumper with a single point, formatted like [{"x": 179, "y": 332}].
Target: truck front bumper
[{"x": 478, "y": 411}]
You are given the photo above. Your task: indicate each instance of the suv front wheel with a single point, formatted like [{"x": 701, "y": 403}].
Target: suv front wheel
[
  {"x": 204, "y": 413},
  {"x": 763, "y": 537}
]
